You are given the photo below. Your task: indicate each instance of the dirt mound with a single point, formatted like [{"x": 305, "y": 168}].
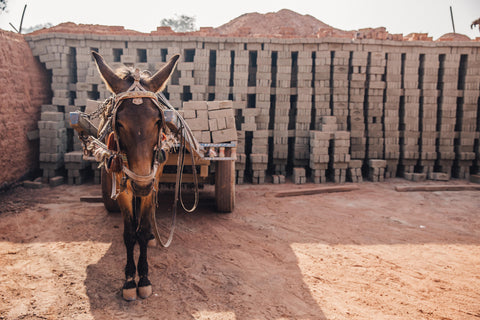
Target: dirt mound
[{"x": 274, "y": 24}]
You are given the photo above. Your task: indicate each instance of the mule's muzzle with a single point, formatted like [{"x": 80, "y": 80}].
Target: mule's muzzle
[{"x": 142, "y": 190}]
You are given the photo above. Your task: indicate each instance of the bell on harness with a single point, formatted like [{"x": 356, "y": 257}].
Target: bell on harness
[{"x": 114, "y": 163}]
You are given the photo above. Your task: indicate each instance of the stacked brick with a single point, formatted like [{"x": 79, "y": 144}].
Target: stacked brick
[
  {"x": 259, "y": 156},
  {"x": 262, "y": 89},
  {"x": 413, "y": 105},
  {"x": 391, "y": 120},
  {"x": 428, "y": 78},
  {"x": 259, "y": 163},
  {"x": 303, "y": 116},
  {"x": 283, "y": 102},
  {"x": 339, "y": 157},
  {"x": 222, "y": 74},
  {"x": 240, "y": 80},
  {"x": 358, "y": 77},
  {"x": 447, "y": 106},
  {"x": 410, "y": 133},
  {"x": 76, "y": 167},
  {"x": 374, "y": 110},
  {"x": 210, "y": 121},
  {"x": 319, "y": 155},
  {"x": 339, "y": 86},
  {"x": 299, "y": 176},
  {"x": 199, "y": 73},
  {"x": 376, "y": 170},
  {"x": 466, "y": 121},
  {"x": 53, "y": 141},
  {"x": 321, "y": 85},
  {"x": 354, "y": 172}
]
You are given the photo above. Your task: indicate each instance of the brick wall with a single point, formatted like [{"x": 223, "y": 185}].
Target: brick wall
[
  {"x": 25, "y": 86},
  {"x": 413, "y": 104}
]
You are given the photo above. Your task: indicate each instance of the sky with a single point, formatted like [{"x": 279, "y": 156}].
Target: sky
[{"x": 401, "y": 16}]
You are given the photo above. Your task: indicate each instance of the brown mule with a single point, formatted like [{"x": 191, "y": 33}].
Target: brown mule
[{"x": 137, "y": 122}]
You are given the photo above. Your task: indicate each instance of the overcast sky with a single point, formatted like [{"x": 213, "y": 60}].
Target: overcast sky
[{"x": 401, "y": 16}]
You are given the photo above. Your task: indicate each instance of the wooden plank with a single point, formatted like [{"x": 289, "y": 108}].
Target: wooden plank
[
  {"x": 172, "y": 160},
  {"x": 187, "y": 178},
  {"x": 306, "y": 192},
  {"x": 432, "y": 188},
  {"x": 91, "y": 199}
]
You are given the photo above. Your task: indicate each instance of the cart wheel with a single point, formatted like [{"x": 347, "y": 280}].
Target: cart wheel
[
  {"x": 110, "y": 204},
  {"x": 225, "y": 185}
]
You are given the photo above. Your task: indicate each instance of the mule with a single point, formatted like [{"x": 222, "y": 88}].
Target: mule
[{"x": 137, "y": 126}]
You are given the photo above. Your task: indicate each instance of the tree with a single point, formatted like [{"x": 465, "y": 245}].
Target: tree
[
  {"x": 3, "y": 5},
  {"x": 182, "y": 23},
  {"x": 37, "y": 27}
]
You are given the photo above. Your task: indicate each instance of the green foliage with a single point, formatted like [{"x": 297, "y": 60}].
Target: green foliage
[
  {"x": 3, "y": 5},
  {"x": 182, "y": 23},
  {"x": 37, "y": 27}
]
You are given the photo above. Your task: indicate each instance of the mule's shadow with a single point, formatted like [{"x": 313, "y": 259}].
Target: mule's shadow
[{"x": 226, "y": 277}]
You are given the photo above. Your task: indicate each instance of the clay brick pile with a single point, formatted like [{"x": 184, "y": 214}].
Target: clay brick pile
[
  {"x": 53, "y": 141},
  {"x": 319, "y": 155},
  {"x": 411, "y": 106},
  {"x": 354, "y": 172},
  {"x": 76, "y": 166},
  {"x": 210, "y": 121},
  {"x": 340, "y": 156},
  {"x": 259, "y": 156},
  {"x": 299, "y": 176},
  {"x": 376, "y": 170}
]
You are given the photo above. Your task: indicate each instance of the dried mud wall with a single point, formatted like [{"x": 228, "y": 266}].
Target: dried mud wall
[
  {"x": 24, "y": 87},
  {"x": 342, "y": 109}
]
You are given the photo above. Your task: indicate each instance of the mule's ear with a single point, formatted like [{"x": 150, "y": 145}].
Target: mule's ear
[
  {"x": 158, "y": 81},
  {"x": 112, "y": 81}
]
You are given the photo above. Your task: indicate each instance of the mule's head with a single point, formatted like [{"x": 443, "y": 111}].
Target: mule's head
[{"x": 137, "y": 126}]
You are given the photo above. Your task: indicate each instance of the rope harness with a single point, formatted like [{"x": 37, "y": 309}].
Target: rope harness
[{"x": 116, "y": 161}]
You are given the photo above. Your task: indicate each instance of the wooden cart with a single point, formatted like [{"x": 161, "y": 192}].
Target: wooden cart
[{"x": 222, "y": 175}]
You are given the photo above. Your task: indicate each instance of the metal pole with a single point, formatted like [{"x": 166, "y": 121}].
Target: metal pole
[
  {"x": 451, "y": 15},
  {"x": 25, "y": 8}
]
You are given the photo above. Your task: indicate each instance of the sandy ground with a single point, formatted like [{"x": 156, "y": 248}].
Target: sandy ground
[{"x": 373, "y": 253}]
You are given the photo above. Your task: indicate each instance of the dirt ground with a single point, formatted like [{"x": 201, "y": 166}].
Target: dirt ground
[{"x": 373, "y": 253}]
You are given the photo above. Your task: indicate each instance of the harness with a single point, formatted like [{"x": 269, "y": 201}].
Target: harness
[{"x": 136, "y": 92}]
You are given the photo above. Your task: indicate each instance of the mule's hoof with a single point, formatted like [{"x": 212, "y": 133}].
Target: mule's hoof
[
  {"x": 145, "y": 292},
  {"x": 129, "y": 290},
  {"x": 144, "y": 287},
  {"x": 130, "y": 294}
]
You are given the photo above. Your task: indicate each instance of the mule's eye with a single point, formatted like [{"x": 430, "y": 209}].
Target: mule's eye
[
  {"x": 159, "y": 123},
  {"x": 119, "y": 125}
]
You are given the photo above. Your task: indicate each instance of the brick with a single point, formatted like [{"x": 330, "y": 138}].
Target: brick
[
  {"x": 52, "y": 116},
  {"x": 197, "y": 124},
  {"x": 32, "y": 184},
  {"x": 56, "y": 181},
  {"x": 226, "y": 135}
]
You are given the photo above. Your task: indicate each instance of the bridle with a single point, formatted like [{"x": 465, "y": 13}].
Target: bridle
[{"x": 136, "y": 92}]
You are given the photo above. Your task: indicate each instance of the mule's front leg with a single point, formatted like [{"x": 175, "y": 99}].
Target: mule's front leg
[
  {"x": 144, "y": 285},
  {"x": 129, "y": 290},
  {"x": 143, "y": 236}
]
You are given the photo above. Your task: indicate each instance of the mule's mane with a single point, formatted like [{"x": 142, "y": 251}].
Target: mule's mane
[{"x": 126, "y": 73}]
